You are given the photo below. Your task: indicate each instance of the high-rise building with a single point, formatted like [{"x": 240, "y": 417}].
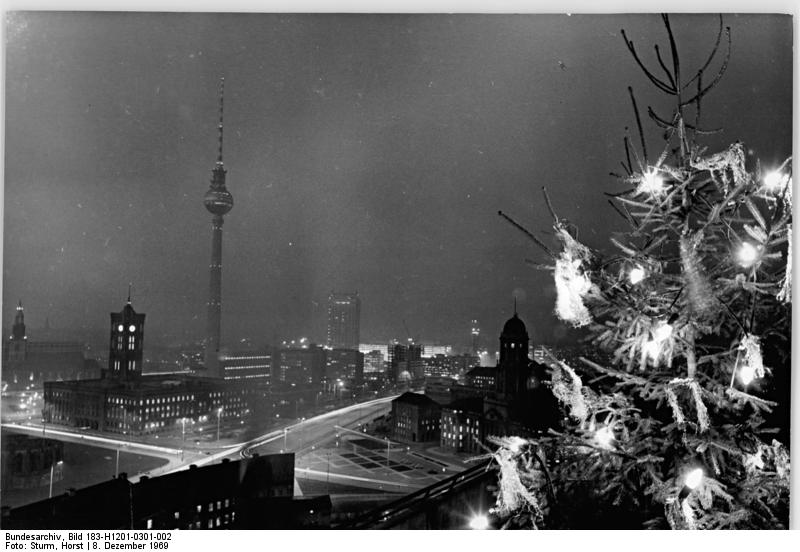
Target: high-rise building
[
  {"x": 219, "y": 201},
  {"x": 405, "y": 362},
  {"x": 475, "y": 332},
  {"x": 374, "y": 366},
  {"x": 344, "y": 316}
]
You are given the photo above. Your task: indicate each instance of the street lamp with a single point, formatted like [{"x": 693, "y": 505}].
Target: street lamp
[
  {"x": 52, "y": 469},
  {"x": 219, "y": 413},
  {"x": 285, "y": 433}
]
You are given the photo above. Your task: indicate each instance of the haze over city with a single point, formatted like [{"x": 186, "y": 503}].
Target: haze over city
[{"x": 365, "y": 153}]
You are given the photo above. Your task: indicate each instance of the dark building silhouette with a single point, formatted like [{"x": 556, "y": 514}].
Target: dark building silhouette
[
  {"x": 27, "y": 461},
  {"x": 253, "y": 493},
  {"x": 405, "y": 362},
  {"x": 344, "y": 320},
  {"x": 301, "y": 367},
  {"x": 415, "y": 418},
  {"x": 344, "y": 364},
  {"x": 219, "y": 201},
  {"x": 28, "y": 363},
  {"x": 513, "y": 398}
]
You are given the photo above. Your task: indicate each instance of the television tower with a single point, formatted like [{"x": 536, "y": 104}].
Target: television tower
[{"x": 218, "y": 200}]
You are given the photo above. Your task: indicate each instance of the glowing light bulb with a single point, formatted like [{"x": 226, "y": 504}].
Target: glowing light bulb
[
  {"x": 604, "y": 436},
  {"x": 651, "y": 349},
  {"x": 748, "y": 254},
  {"x": 515, "y": 443},
  {"x": 747, "y": 374},
  {"x": 479, "y": 522},
  {"x": 694, "y": 478},
  {"x": 636, "y": 274},
  {"x": 651, "y": 183},
  {"x": 775, "y": 181},
  {"x": 662, "y": 332}
]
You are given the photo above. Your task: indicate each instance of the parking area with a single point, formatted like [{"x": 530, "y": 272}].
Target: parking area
[{"x": 368, "y": 458}]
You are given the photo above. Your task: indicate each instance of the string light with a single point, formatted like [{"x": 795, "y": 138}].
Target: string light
[
  {"x": 604, "y": 436},
  {"x": 693, "y": 478},
  {"x": 651, "y": 182},
  {"x": 664, "y": 331},
  {"x": 747, "y": 374},
  {"x": 775, "y": 181},
  {"x": 651, "y": 349},
  {"x": 748, "y": 254},
  {"x": 636, "y": 274}
]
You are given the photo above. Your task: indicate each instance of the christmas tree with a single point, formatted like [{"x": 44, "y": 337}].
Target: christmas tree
[{"x": 686, "y": 427}]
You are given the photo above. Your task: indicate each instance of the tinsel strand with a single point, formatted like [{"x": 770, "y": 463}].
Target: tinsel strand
[
  {"x": 698, "y": 288},
  {"x": 785, "y": 293},
  {"x": 572, "y": 284}
]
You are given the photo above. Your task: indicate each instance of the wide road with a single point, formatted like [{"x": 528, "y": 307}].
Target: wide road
[{"x": 298, "y": 437}]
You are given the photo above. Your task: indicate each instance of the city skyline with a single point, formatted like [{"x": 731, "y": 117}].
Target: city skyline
[{"x": 379, "y": 165}]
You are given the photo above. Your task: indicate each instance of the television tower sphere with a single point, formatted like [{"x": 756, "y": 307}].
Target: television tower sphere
[{"x": 218, "y": 200}]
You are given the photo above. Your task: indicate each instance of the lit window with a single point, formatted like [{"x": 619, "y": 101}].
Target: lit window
[{"x": 149, "y": 523}]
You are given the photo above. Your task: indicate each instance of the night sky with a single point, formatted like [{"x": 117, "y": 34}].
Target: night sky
[{"x": 365, "y": 153}]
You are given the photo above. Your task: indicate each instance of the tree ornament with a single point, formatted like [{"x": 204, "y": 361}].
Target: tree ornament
[
  {"x": 570, "y": 392},
  {"x": 729, "y": 165},
  {"x": 513, "y": 492},
  {"x": 700, "y": 407},
  {"x": 753, "y": 363},
  {"x": 572, "y": 284}
]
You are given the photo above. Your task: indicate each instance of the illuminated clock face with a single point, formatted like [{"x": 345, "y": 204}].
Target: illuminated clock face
[
  {"x": 131, "y": 328},
  {"x": 120, "y": 328}
]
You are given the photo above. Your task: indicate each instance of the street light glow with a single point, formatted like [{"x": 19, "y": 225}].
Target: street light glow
[{"x": 479, "y": 522}]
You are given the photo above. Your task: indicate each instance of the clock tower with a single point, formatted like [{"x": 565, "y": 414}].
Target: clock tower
[{"x": 125, "y": 349}]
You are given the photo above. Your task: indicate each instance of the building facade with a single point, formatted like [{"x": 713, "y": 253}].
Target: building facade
[
  {"x": 253, "y": 493},
  {"x": 513, "y": 398},
  {"x": 344, "y": 364},
  {"x": 301, "y": 367},
  {"x": 253, "y": 366},
  {"x": 462, "y": 430},
  {"x": 344, "y": 321},
  {"x": 29, "y": 363},
  {"x": 415, "y": 418},
  {"x": 405, "y": 362},
  {"x": 124, "y": 401}
]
